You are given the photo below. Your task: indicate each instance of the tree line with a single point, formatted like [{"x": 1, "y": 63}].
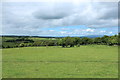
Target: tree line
[
  {"x": 76, "y": 41},
  {"x": 64, "y": 42}
]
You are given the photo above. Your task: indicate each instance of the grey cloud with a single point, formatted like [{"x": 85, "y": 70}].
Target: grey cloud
[
  {"x": 110, "y": 13},
  {"x": 50, "y": 15},
  {"x": 54, "y": 11}
]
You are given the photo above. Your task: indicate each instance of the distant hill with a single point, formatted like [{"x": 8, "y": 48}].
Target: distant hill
[
  {"x": 93, "y": 36},
  {"x": 89, "y": 36}
]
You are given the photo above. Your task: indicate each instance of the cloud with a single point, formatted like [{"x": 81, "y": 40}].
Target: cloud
[
  {"x": 30, "y": 18},
  {"x": 102, "y": 31},
  {"x": 63, "y": 32},
  {"x": 51, "y": 30},
  {"x": 90, "y": 30},
  {"x": 89, "y": 14},
  {"x": 53, "y": 11},
  {"x": 110, "y": 32}
]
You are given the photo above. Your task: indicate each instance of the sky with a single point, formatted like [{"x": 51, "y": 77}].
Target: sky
[{"x": 59, "y": 18}]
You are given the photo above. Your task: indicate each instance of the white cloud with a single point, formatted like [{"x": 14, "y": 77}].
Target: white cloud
[
  {"x": 90, "y": 30},
  {"x": 32, "y": 17},
  {"x": 110, "y": 32},
  {"x": 51, "y": 30},
  {"x": 102, "y": 31},
  {"x": 63, "y": 32},
  {"x": 74, "y": 1}
]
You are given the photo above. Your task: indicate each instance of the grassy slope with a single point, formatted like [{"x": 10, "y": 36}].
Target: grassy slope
[
  {"x": 12, "y": 44},
  {"x": 83, "y": 62},
  {"x": 37, "y": 39}
]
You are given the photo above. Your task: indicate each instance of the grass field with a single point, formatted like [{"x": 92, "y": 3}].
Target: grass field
[{"x": 92, "y": 61}]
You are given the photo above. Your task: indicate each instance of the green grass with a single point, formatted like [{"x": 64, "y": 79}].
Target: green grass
[
  {"x": 92, "y": 61},
  {"x": 37, "y": 39}
]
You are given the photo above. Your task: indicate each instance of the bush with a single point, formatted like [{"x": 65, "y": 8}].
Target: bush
[{"x": 21, "y": 45}]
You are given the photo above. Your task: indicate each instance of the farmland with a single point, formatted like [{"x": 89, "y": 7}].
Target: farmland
[
  {"x": 32, "y": 41},
  {"x": 86, "y": 61}
]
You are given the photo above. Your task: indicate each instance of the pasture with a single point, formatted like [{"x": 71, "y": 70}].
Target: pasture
[{"x": 91, "y": 61}]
